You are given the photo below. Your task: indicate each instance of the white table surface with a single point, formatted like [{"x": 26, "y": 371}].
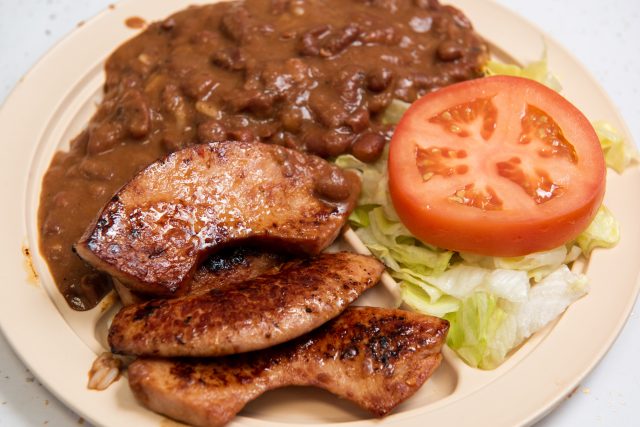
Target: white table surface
[{"x": 604, "y": 36}]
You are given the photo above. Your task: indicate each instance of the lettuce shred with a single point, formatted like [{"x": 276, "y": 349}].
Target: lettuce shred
[
  {"x": 536, "y": 70},
  {"x": 603, "y": 232},
  {"x": 619, "y": 154}
]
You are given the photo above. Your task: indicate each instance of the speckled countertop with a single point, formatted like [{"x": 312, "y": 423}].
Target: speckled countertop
[{"x": 604, "y": 36}]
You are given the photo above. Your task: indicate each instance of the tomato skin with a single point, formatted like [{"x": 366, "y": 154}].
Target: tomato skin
[{"x": 516, "y": 230}]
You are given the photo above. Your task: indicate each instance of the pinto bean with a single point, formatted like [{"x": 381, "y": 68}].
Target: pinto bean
[
  {"x": 379, "y": 79},
  {"x": 211, "y": 131},
  {"x": 311, "y": 40},
  {"x": 368, "y": 147},
  {"x": 104, "y": 137},
  {"x": 235, "y": 23},
  {"x": 331, "y": 184},
  {"x": 135, "y": 114},
  {"x": 450, "y": 50},
  {"x": 230, "y": 59}
]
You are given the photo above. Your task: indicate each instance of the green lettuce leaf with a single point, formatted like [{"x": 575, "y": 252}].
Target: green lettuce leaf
[
  {"x": 486, "y": 327},
  {"x": 603, "y": 232},
  {"x": 536, "y": 70},
  {"x": 394, "y": 112},
  {"x": 619, "y": 154},
  {"x": 473, "y": 330}
]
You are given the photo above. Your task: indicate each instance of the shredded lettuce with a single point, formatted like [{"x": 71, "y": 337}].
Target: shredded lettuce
[
  {"x": 394, "y": 112},
  {"x": 603, "y": 232},
  {"x": 536, "y": 70},
  {"x": 619, "y": 154},
  {"x": 537, "y": 265},
  {"x": 474, "y": 328},
  {"x": 492, "y": 303},
  {"x": 486, "y": 327}
]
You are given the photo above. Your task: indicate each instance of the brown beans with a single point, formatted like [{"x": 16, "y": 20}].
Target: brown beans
[
  {"x": 136, "y": 114},
  {"x": 368, "y": 147},
  {"x": 385, "y": 36},
  {"x": 211, "y": 131},
  {"x": 104, "y": 136},
  {"x": 458, "y": 17},
  {"x": 230, "y": 59},
  {"x": 256, "y": 101},
  {"x": 198, "y": 84},
  {"x": 327, "y": 108},
  {"x": 379, "y": 79},
  {"x": 313, "y": 141},
  {"x": 235, "y": 23},
  {"x": 336, "y": 143},
  {"x": 340, "y": 40},
  {"x": 311, "y": 41},
  {"x": 450, "y": 50},
  {"x": 379, "y": 102},
  {"x": 359, "y": 120},
  {"x": 331, "y": 184},
  {"x": 350, "y": 82},
  {"x": 327, "y": 143},
  {"x": 94, "y": 169},
  {"x": 291, "y": 119},
  {"x": 432, "y": 5},
  {"x": 242, "y": 135},
  {"x": 173, "y": 139}
]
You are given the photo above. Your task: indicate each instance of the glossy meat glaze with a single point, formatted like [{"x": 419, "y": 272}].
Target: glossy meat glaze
[
  {"x": 253, "y": 315},
  {"x": 154, "y": 232},
  {"x": 225, "y": 268}
]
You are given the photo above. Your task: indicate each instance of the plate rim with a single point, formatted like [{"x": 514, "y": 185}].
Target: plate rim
[{"x": 18, "y": 344}]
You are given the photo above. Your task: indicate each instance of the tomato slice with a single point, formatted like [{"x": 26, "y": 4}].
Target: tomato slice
[{"x": 499, "y": 166}]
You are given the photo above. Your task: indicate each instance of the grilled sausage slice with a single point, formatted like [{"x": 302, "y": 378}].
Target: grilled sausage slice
[
  {"x": 222, "y": 269},
  {"x": 253, "y": 315},
  {"x": 372, "y": 356},
  {"x": 153, "y": 233}
]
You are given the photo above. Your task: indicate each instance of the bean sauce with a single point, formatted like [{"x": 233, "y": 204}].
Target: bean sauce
[{"x": 311, "y": 75}]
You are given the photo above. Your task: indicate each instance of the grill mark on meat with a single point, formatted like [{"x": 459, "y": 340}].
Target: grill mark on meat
[
  {"x": 253, "y": 315},
  {"x": 173, "y": 214},
  {"x": 373, "y": 357},
  {"x": 226, "y": 268}
]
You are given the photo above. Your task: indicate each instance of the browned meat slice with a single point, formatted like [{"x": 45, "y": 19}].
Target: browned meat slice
[
  {"x": 159, "y": 226},
  {"x": 256, "y": 314},
  {"x": 372, "y": 356},
  {"x": 233, "y": 266},
  {"x": 226, "y": 268}
]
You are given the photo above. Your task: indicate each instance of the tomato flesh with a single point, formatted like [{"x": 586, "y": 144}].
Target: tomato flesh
[{"x": 499, "y": 166}]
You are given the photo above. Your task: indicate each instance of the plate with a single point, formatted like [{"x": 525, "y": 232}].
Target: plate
[{"x": 54, "y": 102}]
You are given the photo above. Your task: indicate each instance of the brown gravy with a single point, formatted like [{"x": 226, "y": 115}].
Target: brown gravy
[
  {"x": 310, "y": 75},
  {"x": 135, "y": 23}
]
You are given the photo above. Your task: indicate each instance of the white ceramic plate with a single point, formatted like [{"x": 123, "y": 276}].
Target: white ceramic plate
[{"x": 54, "y": 102}]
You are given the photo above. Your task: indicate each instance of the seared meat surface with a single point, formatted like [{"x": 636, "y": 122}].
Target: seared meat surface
[
  {"x": 374, "y": 357},
  {"x": 154, "y": 232},
  {"x": 253, "y": 315},
  {"x": 225, "y": 268},
  {"x": 233, "y": 266}
]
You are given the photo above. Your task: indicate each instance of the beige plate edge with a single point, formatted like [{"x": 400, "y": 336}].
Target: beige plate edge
[{"x": 38, "y": 333}]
